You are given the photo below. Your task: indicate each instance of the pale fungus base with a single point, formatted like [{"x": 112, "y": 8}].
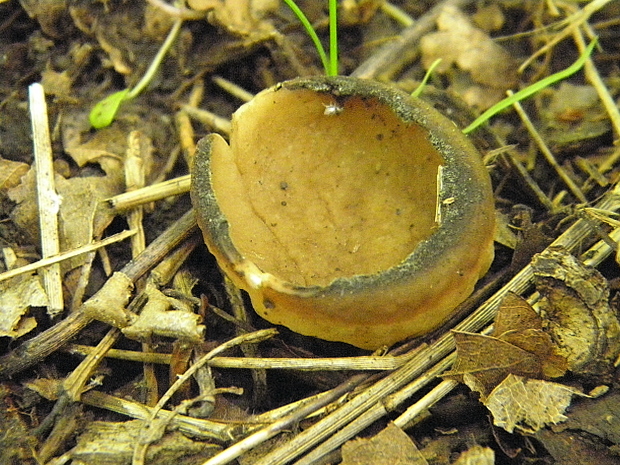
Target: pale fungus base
[{"x": 325, "y": 209}]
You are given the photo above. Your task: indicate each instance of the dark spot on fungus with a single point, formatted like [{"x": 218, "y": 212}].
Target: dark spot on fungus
[
  {"x": 283, "y": 185},
  {"x": 283, "y": 203},
  {"x": 268, "y": 304}
]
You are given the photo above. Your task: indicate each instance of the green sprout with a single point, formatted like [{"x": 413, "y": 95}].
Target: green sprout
[
  {"x": 532, "y": 89},
  {"x": 330, "y": 65},
  {"x": 416, "y": 93},
  {"x": 104, "y": 111}
]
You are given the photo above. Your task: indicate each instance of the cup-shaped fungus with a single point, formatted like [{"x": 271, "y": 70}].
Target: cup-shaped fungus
[{"x": 347, "y": 210}]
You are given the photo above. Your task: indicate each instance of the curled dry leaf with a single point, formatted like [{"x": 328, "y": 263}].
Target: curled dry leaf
[
  {"x": 576, "y": 312},
  {"x": 528, "y": 404},
  {"x": 157, "y": 319},
  {"x": 108, "y": 304},
  {"x": 517, "y": 346}
]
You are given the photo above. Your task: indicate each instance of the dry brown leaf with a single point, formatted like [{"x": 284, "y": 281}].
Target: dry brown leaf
[
  {"x": 483, "y": 362},
  {"x": 47, "y": 388},
  {"x": 515, "y": 314},
  {"x": 537, "y": 342},
  {"x": 528, "y": 404},
  {"x": 58, "y": 84},
  {"x": 571, "y": 116},
  {"x": 157, "y": 318},
  {"x": 517, "y": 346},
  {"x": 11, "y": 173},
  {"x": 517, "y": 323},
  {"x": 108, "y": 148},
  {"x": 17, "y": 295},
  {"x": 81, "y": 217},
  {"x": 491, "y": 68},
  {"x": 477, "y": 455},
  {"x": 391, "y": 446},
  {"x": 242, "y": 17},
  {"x": 107, "y": 144}
]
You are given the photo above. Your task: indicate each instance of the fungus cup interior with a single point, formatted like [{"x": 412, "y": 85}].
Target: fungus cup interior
[
  {"x": 325, "y": 209},
  {"x": 348, "y": 194}
]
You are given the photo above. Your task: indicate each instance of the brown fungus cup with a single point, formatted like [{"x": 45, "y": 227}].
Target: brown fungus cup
[{"x": 348, "y": 210}]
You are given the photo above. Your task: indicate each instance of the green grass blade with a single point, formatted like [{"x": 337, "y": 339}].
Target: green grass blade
[
  {"x": 416, "y": 93},
  {"x": 532, "y": 89},
  {"x": 311, "y": 32},
  {"x": 157, "y": 60},
  {"x": 333, "y": 38}
]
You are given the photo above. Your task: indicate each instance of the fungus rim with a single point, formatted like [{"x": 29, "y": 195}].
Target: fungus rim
[{"x": 456, "y": 183}]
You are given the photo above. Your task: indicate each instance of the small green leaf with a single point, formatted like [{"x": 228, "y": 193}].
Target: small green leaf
[{"x": 105, "y": 110}]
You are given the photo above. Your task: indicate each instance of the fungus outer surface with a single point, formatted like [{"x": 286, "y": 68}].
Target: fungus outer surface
[{"x": 328, "y": 218}]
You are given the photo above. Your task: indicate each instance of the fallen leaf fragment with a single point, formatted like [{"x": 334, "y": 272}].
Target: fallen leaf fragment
[
  {"x": 47, "y": 388},
  {"x": 518, "y": 345},
  {"x": 571, "y": 117},
  {"x": 389, "y": 447},
  {"x": 81, "y": 214},
  {"x": 490, "y": 67},
  {"x": 17, "y": 295},
  {"x": 58, "y": 84},
  {"x": 11, "y": 172},
  {"x": 110, "y": 442},
  {"x": 108, "y": 304},
  {"x": 157, "y": 319},
  {"x": 528, "y": 404},
  {"x": 484, "y": 362},
  {"x": 477, "y": 455}
]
